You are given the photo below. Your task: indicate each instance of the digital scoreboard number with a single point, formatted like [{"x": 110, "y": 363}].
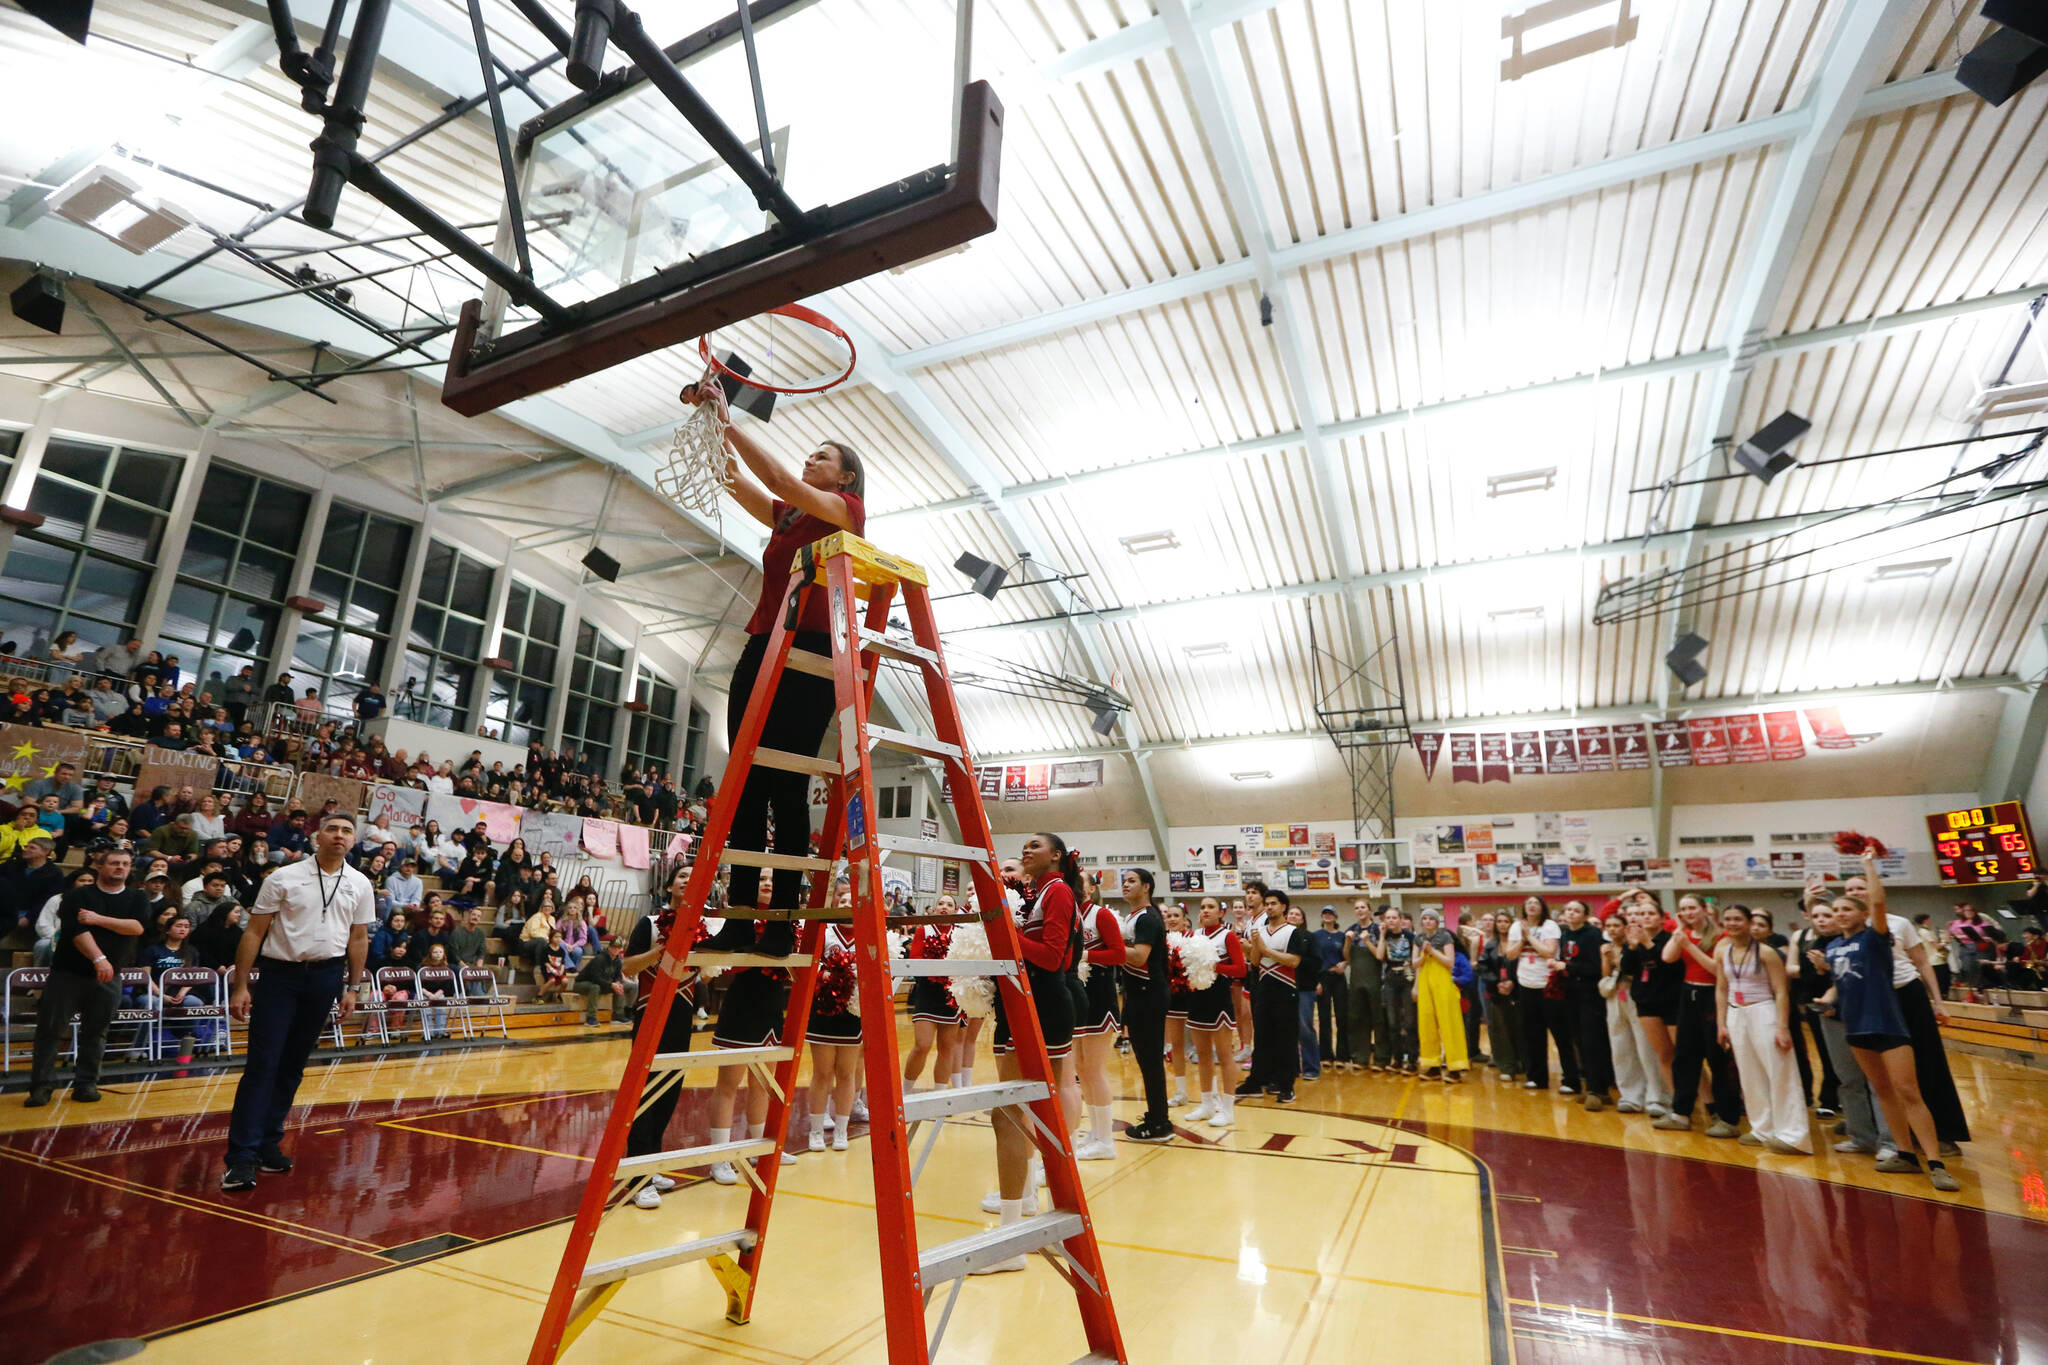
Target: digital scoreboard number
[{"x": 1983, "y": 844}]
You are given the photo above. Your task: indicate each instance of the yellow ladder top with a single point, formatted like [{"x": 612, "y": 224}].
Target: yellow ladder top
[{"x": 871, "y": 563}]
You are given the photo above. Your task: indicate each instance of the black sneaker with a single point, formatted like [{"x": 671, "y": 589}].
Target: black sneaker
[
  {"x": 40, "y": 1096},
  {"x": 1152, "y": 1130},
  {"x": 777, "y": 940},
  {"x": 1249, "y": 1090},
  {"x": 734, "y": 936},
  {"x": 1284, "y": 1097},
  {"x": 85, "y": 1092},
  {"x": 240, "y": 1177},
  {"x": 273, "y": 1161}
]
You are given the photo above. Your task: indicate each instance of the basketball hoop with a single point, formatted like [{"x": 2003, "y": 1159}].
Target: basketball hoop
[
  {"x": 694, "y": 476},
  {"x": 799, "y": 313},
  {"x": 1374, "y": 879}
]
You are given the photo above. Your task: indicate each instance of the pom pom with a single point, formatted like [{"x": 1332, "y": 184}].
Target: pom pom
[
  {"x": 835, "y": 990},
  {"x": 1199, "y": 955},
  {"x": 1856, "y": 845},
  {"x": 1176, "y": 972},
  {"x": 1082, "y": 968},
  {"x": 976, "y": 995}
]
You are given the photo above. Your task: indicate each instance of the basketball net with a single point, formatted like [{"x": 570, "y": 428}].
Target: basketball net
[
  {"x": 1374, "y": 879},
  {"x": 694, "y": 476}
]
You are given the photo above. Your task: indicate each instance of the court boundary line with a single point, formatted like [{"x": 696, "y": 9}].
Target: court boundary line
[{"x": 1743, "y": 1332}]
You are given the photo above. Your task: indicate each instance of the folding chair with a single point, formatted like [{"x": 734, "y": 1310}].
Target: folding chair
[
  {"x": 490, "y": 1002},
  {"x": 136, "y": 984},
  {"x": 406, "y": 1013},
  {"x": 211, "y": 1010},
  {"x": 19, "y": 1011},
  {"x": 444, "y": 980}
]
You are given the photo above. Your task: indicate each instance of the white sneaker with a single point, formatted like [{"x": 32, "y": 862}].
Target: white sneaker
[
  {"x": 660, "y": 1183},
  {"x": 647, "y": 1198},
  {"x": 992, "y": 1202},
  {"x": 723, "y": 1173},
  {"x": 1093, "y": 1148},
  {"x": 1226, "y": 1112},
  {"x": 1000, "y": 1267},
  {"x": 817, "y": 1140},
  {"x": 860, "y": 1110},
  {"x": 839, "y": 1139},
  {"x": 1037, "y": 1171},
  {"x": 1179, "y": 1098},
  {"x": 1201, "y": 1111},
  {"x": 788, "y": 1157}
]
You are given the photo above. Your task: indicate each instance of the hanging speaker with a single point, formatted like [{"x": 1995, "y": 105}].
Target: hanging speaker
[
  {"x": 1764, "y": 453},
  {"x": 1683, "y": 659},
  {"x": 602, "y": 564},
  {"x": 39, "y": 302},
  {"x": 2001, "y": 66}
]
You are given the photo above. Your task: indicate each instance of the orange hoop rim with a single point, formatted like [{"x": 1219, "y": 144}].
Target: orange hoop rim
[{"x": 799, "y": 313}]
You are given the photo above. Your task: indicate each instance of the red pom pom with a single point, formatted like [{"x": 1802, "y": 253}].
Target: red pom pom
[{"x": 1855, "y": 845}]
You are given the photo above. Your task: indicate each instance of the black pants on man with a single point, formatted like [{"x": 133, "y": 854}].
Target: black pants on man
[
  {"x": 1145, "y": 1019},
  {"x": 65, "y": 995},
  {"x": 289, "y": 1004},
  {"x": 1276, "y": 1035}
]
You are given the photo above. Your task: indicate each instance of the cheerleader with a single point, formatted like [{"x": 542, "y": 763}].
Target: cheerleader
[
  {"x": 1246, "y": 917},
  {"x": 833, "y": 1032},
  {"x": 1102, "y": 947},
  {"x": 1276, "y": 952},
  {"x": 1050, "y": 945},
  {"x": 936, "y": 1020},
  {"x": 1177, "y": 994},
  {"x": 756, "y": 1002},
  {"x": 1209, "y": 1013},
  {"x": 644, "y": 947}
]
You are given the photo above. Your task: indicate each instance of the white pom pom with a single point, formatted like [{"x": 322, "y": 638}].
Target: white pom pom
[
  {"x": 1198, "y": 958},
  {"x": 976, "y": 995},
  {"x": 1082, "y": 968}
]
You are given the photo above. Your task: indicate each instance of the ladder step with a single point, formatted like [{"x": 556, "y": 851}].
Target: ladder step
[
  {"x": 831, "y": 914},
  {"x": 916, "y": 744},
  {"x": 788, "y": 862},
  {"x": 687, "y": 1158},
  {"x": 896, "y": 647},
  {"x": 736, "y": 961},
  {"x": 932, "y": 848},
  {"x": 719, "y": 1056},
  {"x": 951, "y": 1260},
  {"x": 898, "y": 921},
  {"x": 948, "y": 966},
  {"x": 795, "y": 763},
  {"x": 817, "y": 665},
  {"x": 641, "y": 1262},
  {"x": 970, "y": 1099},
  {"x": 1097, "y": 1358}
]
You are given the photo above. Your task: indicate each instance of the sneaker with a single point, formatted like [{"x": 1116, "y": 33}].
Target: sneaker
[
  {"x": 1885, "y": 1152},
  {"x": 1284, "y": 1097},
  {"x": 788, "y": 1157},
  {"x": 1824, "y": 1113},
  {"x": 1200, "y": 1111},
  {"x": 839, "y": 1138},
  {"x": 1656, "y": 1109},
  {"x": 1567, "y": 1089},
  {"x": 1595, "y": 1104},
  {"x": 1429, "y": 1073},
  {"x": 273, "y": 1161},
  {"x": 724, "y": 1173},
  {"x": 660, "y": 1183},
  {"x": 1532, "y": 1085},
  {"x": 1454, "y": 1078},
  {"x": 1750, "y": 1139},
  {"x": 1841, "y": 1127},
  {"x": 1177, "y": 1099},
  {"x": 1225, "y": 1115},
  {"x": 1898, "y": 1163},
  {"x": 817, "y": 1143},
  {"x": 1784, "y": 1148},
  {"x": 85, "y": 1092},
  {"x": 1153, "y": 1130},
  {"x": 1037, "y": 1173},
  {"x": 37, "y": 1097},
  {"x": 860, "y": 1111},
  {"x": 590, "y": 1023},
  {"x": 1674, "y": 1123},
  {"x": 1249, "y": 1090},
  {"x": 1948, "y": 1149},
  {"x": 992, "y": 1202},
  {"x": 1847, "y": 1145},
  {"x": 1628, "y": 1107},
  {"x": 1093, "y": 1148},
  {"x": 1312, "y": 1075},
  {"x": 647, "y": 1197},
  {"x": 1943, "y": 1181},
  {"x": 1721, "y": 1128},
  {"x": 240, "y": 1177}
]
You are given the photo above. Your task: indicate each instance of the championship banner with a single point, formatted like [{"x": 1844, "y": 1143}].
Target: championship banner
[
  {"x": 551, "y": 832},
  {"x": 399, "y": 807},
  {"x": 1596, "y": 749},
  {"x": 1709, "y": 737},
  {"x": 452, "y": 813},
  {"x": 634, "y": 849},
  {"x": 1427, "y": 746},
  {"x": 1746, "y": 740},
  {"x": 1494, "y": 765},
  {"x": 28, "y": 752},
  {"x": 1828, "y": 730},
  {"x": 1013, "y": 783},
  {"x": 174, "y": 768},
  {"x": 1631, "y": 747},
  {"x": 1674, "y": 743},
  {"x": 1560, "y": 751},
  {"x": 347, "y": 793},
  {"x": 991, "y": 780},
  {"x": 1037, "y": 782},
  {"x": 601, "y": 838},
  {"x": 1781, "y": 732},
  {"x": 1528, "y": 750},
  {"x": 1464, "y": 758},
  {"x": 1082, "y": 773}
]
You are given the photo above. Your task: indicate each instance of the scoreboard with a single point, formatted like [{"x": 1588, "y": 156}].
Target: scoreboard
[{"x": 1983, "y": 844}]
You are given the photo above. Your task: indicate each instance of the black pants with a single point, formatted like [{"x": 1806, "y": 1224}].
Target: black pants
[
  {"x": 1544, "y": 1020},
  {"x": 68, "y": 994},
  {"x": 1930, "y": 1064},
  {"x": 1368, "y": 1040},
  {"x": 1697, "y": 1043},
  {"x": 1145, "y": 1018},
  {"x": 1333, "y": 1020},
  {"x": 645, "y": 1137},
  {"x": 798, "y": 717},
  {"x": 1397, "y": 1017},
  {"x": 1276, "y": 1035},
  {"x": 288, "y": 1009},
  {"x": 1589, "y": 1035},
  {"x": 1804, "y": 1024}
]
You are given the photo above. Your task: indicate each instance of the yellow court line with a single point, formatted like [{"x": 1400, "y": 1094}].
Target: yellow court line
[
  {"x": 531, "y": 1097},
  {"x": 1527, "y": 1251},
  {"x": 488, "y": 1142},
  {"x": 1745, "y": 1334},
  {"x": 287, "y": 1229}
]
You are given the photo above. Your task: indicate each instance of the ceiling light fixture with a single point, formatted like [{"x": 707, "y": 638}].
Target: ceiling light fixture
[
  {"x": 1513, "y": 615},
  {"x": 1208, "y": 651},
  {"x": 1554, "y": 31},
  {"x": 1146, "y": 542},
  {"x": 1528, "y": 481},
  {"x": 1262, "y": 775},
  {"x": 114, "y": 206},
  {"x": 1919, "y": 568}
]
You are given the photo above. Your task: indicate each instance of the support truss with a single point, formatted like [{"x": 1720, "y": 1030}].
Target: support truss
[{"x": 1365, "y": 714}]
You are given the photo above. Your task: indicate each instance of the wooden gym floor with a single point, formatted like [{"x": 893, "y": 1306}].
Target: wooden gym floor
[{"x": 1380, "y": 1219}]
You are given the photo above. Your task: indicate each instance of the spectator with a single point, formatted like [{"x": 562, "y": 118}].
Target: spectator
[
  {"x": 62, "y": 784},
  {"x": 172, "y": 952},
  {"x": 18, "y": 832},
  {"x": 238, "y": 694},
  {"x": 279, "y": 693},
  {"x": 603, "y": 975},
  {"x": 1974, "y": 944},
  {"x": 108, "y": 704},
  {"x": 394, "y": 934},
  {"x": 404, "y": 888},
  {"x": 175, "y": 840},
  {"x": 370, "y": 702},
  {"x": 512, "y": 916},
  {"x": 539, "y": 937},
  {"x": 99, "y": 928},
  {"x": 551, "y": 974},
  {"x": 26, "y": 882},
  {"x": 466, "y": 940},
  {"x": 254, "y": 820},
  {"x": 474, "y": 877},
  {"x": 117, "y": 660},
  {"x": 433, "y": 996},
  {"x": 439, "y": 855},
  {"x": 288, "y": 840},
  {"x": 430, "y": 927},
  {"x": 117, "y": 804},
  {"x": 575, "y": 932},
  {"x": 146, "y": 817},
  {"x": 207, "y": 822},
  {"x": 307, "y": 705}
]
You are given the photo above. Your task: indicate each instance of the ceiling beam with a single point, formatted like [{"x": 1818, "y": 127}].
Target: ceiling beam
[
  {"x": 1458, "y": 213},
  {"x": 505, "y": 478}
]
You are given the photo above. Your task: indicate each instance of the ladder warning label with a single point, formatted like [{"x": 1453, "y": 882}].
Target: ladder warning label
[{"x": 856, "y": 822}]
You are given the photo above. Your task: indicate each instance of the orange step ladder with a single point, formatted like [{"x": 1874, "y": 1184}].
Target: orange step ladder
[{"x": 850, "y": 571}]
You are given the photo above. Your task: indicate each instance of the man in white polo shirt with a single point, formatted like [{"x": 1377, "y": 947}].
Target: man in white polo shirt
[{"x": 310, "y": 933}]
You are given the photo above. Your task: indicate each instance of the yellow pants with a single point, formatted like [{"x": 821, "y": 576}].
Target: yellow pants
[{"x": 1439, "y": 1022}]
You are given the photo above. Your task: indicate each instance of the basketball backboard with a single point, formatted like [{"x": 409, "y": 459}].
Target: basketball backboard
[
  {"x": 1393, "y": 859},
  {"x": 651, "y": 212}
]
